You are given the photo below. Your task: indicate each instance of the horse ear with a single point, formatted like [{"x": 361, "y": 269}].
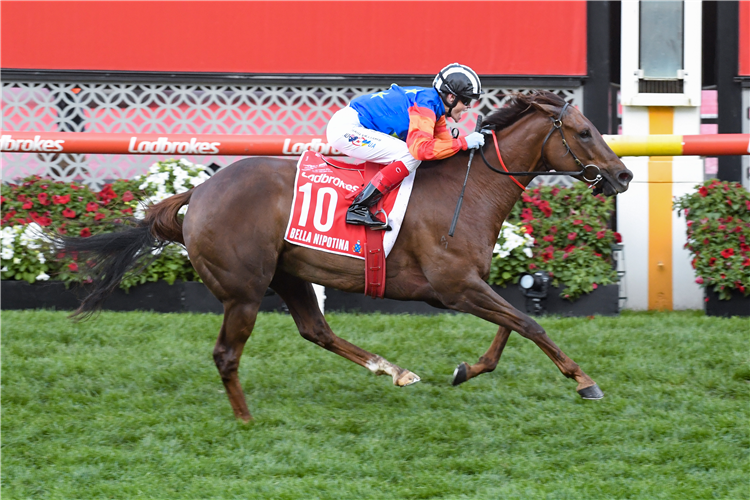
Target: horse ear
[{"x": 547, "y": 109}]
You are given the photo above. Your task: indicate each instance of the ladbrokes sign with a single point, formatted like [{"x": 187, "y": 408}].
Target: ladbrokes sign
[{"x": 157, "y": 144}]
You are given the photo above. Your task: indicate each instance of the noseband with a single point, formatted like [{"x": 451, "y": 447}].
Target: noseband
[{"x": 556, "y": 125}]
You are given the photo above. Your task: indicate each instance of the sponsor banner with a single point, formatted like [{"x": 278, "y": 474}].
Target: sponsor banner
[{"x": 166, "y": 144}]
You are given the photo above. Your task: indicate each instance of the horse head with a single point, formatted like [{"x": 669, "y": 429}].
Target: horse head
[{"x": 573, "y": 144}]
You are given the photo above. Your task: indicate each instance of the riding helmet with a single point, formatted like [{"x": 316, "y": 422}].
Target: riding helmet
[{"x": 458, "y": 80}]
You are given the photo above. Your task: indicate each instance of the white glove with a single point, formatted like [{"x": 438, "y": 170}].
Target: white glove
[{"x": 475, "y": 140}]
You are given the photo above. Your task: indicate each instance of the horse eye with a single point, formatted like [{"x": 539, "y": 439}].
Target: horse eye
[{"x": 585, "y": 133}]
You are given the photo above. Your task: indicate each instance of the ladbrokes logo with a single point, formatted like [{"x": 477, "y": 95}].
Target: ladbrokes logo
[
  {"x": 328, "y": 179},
  {"x": 37, "y": 144},
  {"x": 164, "y": 145},
  {"x": 316, "y": 146}
]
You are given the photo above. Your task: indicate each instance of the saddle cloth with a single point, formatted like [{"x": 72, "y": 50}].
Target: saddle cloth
[{"x": 323, "y": 191}]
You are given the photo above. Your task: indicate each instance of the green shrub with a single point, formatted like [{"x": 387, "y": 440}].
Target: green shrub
[
  {"x": 718, "y": 233},
  {"x": 567, "y": 235},
  {"x": 73, "y": 209}
]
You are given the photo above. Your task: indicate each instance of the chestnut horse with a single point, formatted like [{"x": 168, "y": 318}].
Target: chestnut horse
[{"x": 234, "y": 235}]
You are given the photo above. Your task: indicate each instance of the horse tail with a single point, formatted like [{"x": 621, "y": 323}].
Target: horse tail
[{"x": 110, "y": 255}]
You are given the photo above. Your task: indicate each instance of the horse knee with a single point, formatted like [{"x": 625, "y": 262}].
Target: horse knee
[{"x": 531, "y": 329}]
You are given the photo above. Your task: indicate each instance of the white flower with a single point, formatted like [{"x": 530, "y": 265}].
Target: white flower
[
  {"x": 42, "y": 276},
  {"x": 41, "y": 258},
  {"x": 7, "y": 253},
  {"x": 4, "y": 269},
  {"x": 16, "y": 260},
  {"x": 513, "y": 237}
]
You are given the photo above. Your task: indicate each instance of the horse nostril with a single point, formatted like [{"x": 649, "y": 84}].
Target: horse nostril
[{"x": 625, "y": 177}]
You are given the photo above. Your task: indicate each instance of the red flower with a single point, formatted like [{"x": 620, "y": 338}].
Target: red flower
[
  {"x": 729, "y": 202},
  {"x": 43, "y": 198},
  {"x": 553, "y": 230},
  {"x": 73, "y": 186},
  {"x": 689, "y": 223},
  {"x": 27, "y": 205},
  {"x": 555, "y": 190},
  {"x": 92, "y": 207},
  {"x": 532, "y": 266},
  {"x": 73, "y": 266},
  {"x": 127, "y": 196},
  {"x": 722, "y": 227},
  {"x": 8, "y": 215},
  {"x": 594, "y": 286},
  {"x": 527, "y": 215},
  {"x": 746, "y": 263},
  {"x": 727, "y": 252},
  {"x": 569, "y": 248},
  {"x": 127, "y": 211},
  {"x": 545, "y": 208},
  {"x": 699, "y": 280},
  {"x": 528, "y": 229},
  {"x": 747, "y": 204},
  {"x": 22, "y": 197},
  {"x": 2, "y": 199},
  {"x": 107, "y": 193},
  {"x": 711, "y": 261},
  {"x": 587, "y": 228},
  {"x": 600, "y": 234},
  {"x": 572, "y": 236},
  {"x": 69, "y": 213},
  {"x": 577, "y": 221},
  {"x": 99, "y": 216},
  {"x": 85, "y": 232},
  {"x": 703, "y": 191},
  {"x": 549, "y": 238},
  {"x": 60, "y": 200},
  {"x": 618, "y": 237}
]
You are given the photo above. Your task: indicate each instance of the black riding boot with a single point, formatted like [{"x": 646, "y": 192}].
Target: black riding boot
[{"x": 359, "y": 213}]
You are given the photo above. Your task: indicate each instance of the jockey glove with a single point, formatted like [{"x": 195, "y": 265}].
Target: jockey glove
[{"x": 475, "y": 140}]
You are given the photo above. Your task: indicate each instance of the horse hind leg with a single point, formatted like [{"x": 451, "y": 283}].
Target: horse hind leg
[
  {"x": 303, "y": 306},
  {"x": 239, "y": 320}
]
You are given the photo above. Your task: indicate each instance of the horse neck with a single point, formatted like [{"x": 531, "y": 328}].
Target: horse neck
[{"x": 520, "y": 146}]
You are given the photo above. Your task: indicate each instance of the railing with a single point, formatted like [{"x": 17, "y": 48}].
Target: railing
[{"x": 279, "y": 145}]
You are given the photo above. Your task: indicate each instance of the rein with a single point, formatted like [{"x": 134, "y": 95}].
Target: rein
[{"x": 556, "y": 125}]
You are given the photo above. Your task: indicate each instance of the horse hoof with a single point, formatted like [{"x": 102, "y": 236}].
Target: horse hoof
[
  {"x": 592, "y": 392},
  {"x": 408, "y": 378},
  {"x": 460, "y": 374}
]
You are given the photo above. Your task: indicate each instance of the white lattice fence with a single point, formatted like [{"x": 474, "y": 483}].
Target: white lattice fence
[{"x": 160, "y": 108}]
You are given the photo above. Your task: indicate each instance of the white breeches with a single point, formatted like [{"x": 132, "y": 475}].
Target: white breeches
[{"x": 346, "y": 134}]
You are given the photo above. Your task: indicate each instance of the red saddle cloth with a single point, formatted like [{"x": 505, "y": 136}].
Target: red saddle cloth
[{"x": 323, "y": 191}]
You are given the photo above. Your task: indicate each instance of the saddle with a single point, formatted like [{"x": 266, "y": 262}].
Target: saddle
[{"x": 323, "y": 190}]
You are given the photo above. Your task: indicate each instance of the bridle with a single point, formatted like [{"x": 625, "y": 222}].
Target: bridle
[{"x": 556, "y": 125}]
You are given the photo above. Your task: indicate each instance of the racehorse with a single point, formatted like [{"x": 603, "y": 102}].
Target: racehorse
[{"x": 234, "y": 234}]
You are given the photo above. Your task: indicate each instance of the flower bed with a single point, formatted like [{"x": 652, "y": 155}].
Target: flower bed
[
  {"x": 718, "y": 232},
  {"x": 563, "y": 231},
  {"x": 73, "y": 209}
]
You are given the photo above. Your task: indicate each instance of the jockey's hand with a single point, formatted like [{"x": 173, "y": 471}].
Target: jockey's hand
[{"x": 475, "y": 140}]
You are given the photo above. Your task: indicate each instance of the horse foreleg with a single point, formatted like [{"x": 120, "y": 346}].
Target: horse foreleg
[
  {"x": 239, "y": 320},
  {"x": 303, "y": 306},
  {"x": 487, "y": 362},
  {"x": 479, "y": 299}
]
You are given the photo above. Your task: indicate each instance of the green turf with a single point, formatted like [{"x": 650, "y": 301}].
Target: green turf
[{"x": 130, "y": 405}]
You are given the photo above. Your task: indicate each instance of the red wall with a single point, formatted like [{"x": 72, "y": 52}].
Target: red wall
[
  {"x": 745, "y": 38},
  {"x": 322, "y": 37}
]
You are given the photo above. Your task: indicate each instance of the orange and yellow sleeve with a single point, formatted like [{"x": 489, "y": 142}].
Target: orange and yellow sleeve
[{"x": 429, "y": 138}]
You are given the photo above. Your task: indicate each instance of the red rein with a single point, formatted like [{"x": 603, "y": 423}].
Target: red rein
[{"x": 497, "y": 150}]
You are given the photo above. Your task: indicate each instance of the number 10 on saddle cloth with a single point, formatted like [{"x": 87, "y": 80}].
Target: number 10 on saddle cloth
[{"x": 323, "y": 191}]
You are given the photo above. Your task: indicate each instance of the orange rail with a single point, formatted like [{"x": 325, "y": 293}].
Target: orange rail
[{"x": 278, "y": 145}]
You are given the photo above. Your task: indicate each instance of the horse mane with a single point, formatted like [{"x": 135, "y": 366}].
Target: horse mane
[{"x": 518, "y": 106}]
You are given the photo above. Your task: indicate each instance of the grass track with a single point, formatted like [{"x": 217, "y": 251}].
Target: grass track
[{"x": 130, "y": 405}]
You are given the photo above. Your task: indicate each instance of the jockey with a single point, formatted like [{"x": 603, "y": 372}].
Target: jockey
[{"x": 402, "y": 127}]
